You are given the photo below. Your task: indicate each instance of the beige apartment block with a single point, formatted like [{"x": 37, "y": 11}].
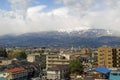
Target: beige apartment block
[
  {"x": 105, "y": 57},
  {"x": 53, "y": 60}
]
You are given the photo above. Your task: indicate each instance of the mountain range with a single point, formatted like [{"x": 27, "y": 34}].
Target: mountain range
[{"x": 90, "y": 37}]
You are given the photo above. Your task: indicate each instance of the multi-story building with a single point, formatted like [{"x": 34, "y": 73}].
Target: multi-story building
[
  {"x": 108, "y": 56},
  {"x": 105, "y": 56},
  {"x": 55, "y": 59},
  {"x": 33, "y": 57},
  {"x": 40, "y": 58},
  {"x": 116, "y": 57}
]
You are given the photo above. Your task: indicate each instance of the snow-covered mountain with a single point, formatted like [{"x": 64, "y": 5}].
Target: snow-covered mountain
[
  {"x": 87, "y": 37},
  {"x": 91, "y": 33}
]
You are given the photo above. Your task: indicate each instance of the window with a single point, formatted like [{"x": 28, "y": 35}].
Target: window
[
  {"x": 101, "y": 58},
  {"x": 109, "y": 50},
  {"x": 109, "y": 58},
  {"x": 109, "y": 62},
  {"x": 109, "y": 54},
  {"x": 101, "y": 54},
  {"x": 101, "y": 62}
]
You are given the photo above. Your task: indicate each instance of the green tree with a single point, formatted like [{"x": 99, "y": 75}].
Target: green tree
[
  {"x": 3, "y": 52},
  {"x": 22, "y": 55},
  {"x": 76, "y": 67}
]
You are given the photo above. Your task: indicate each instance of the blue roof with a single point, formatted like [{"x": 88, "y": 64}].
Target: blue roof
[{"x": 103, "y": 70}]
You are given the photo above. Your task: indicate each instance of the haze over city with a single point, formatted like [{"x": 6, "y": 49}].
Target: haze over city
[{"x": 23, "y": 16}]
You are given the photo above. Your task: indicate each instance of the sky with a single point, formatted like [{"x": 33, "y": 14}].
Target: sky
[{"x": 24, "y": 16}]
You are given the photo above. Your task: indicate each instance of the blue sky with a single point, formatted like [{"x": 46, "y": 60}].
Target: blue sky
[{"x": 5, "y": 4}]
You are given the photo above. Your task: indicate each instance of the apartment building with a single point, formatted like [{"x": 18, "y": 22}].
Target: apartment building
[
  {"x": 108, "y": 56},
  {"x": 105, "y": 56},
  {"x": 116, "y": 57},
  {"x": 53, "y": 60}
]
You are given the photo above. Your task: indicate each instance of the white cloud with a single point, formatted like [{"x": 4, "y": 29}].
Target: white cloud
[
  {"x": 37, "y": 20},
  {"x": 20, "y": 6},
  {"x": 112, "y": 3},
  {"x": 56, "y": 19},
  {"x": 78, "y": 7},
  {"x": 75, "y": 15},
  {"x": 103, "y": 14}
]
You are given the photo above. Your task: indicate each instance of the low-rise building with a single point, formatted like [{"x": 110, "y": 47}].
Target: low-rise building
[
  {"x": 58, "y": 73},
  {"x": 17, "y": 74}
]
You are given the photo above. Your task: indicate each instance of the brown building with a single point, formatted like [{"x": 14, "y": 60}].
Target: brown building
[
  {"x": 108, "y": 56},
  {"x": 105, "y": 57}
]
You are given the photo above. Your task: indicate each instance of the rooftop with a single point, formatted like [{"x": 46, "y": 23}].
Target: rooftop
[
  {"x": 103, "y": 70},
  {"x": 14, "y": 70}
]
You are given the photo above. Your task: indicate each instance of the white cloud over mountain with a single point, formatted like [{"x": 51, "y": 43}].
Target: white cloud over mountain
[{"x": 74, "y": 15}]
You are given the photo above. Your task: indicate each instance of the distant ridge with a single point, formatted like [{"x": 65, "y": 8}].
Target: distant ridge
[{"x": 90, "y": 37}]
